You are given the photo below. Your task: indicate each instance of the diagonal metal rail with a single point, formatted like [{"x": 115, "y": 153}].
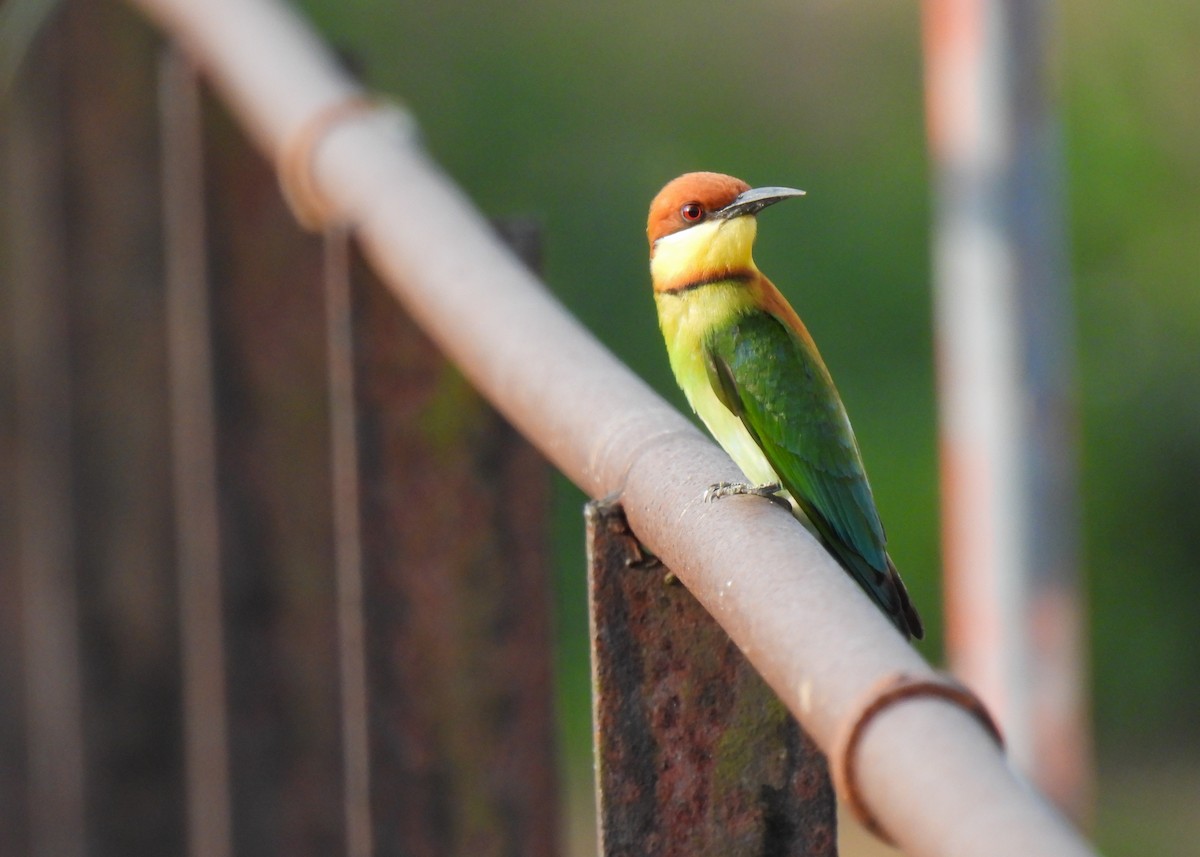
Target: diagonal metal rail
[{"x": 932, "y": 777}]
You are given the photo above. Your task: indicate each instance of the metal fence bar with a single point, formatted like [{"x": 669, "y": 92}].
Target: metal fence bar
[
  {"x": 1014, "y": 619},
  {"x": 456, "y": 587},
  {"x": 694, "y": 753},
  {"x": 932, "y": 777},
  {"x": 193, "y": 441},
  {"x": 45, "y": 530},
  {"x": 111, "y": 732},
  {"x": 270, "y": 356},
  {"x": 348, "y": 548}
]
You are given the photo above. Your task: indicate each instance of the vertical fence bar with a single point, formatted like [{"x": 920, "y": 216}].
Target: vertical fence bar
[
  {"x": 694, "y": 753},
  {"x": 1014, "y": 620},
  {"x": 14, "y": 752},
  {"x": 42, "y": 349},
  {"x": 347, "y": 519},
  {"x": 193, "y": 435},
  {"x": 457, "y": 593},
  {"x": 122, "y": 502},
  {"x": 91, "y": 79},
  {"x": 269, "y": 336}
]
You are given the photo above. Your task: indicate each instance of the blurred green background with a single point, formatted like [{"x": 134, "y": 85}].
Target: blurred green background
[{"x": 577, "y": 112}]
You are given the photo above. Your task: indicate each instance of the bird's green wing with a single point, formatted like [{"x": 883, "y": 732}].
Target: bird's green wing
[{"x": 776, "y": 383}]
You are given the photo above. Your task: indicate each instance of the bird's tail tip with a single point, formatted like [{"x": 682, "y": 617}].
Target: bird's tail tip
[{"x": 905, "y": 615}]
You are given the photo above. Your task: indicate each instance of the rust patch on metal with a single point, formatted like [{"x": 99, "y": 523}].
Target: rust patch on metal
[{"x": 695, "y": 754}]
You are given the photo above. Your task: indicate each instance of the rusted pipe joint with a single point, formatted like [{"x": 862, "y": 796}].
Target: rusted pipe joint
[
  {"x": 295, "y": 160},
  {"x": 888, "y": 691}
]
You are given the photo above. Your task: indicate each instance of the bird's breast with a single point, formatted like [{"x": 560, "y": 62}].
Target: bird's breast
[{"x": 687, "y": 319}]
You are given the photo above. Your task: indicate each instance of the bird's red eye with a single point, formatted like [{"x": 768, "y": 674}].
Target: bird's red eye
[{"x": 692, "y": 212}]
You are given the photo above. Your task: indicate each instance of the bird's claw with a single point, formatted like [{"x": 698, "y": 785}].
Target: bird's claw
[
  {"x": 723, "y": 489},
  {"x": 718, "y": 490}
]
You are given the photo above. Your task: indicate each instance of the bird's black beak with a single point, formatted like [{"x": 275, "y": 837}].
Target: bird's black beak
[{"x": 755, "y": 200}]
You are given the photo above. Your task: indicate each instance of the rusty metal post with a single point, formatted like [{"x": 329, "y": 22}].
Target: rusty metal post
[
  {"x": 456, "y": 587},
  {"x": 99, "y": 654},
  {"x": 694, "y": 753},
  {"x": 273, "y": 480},
  {"x": 44, "y": 587}
]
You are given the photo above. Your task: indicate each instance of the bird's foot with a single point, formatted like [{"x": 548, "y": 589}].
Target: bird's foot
[{"x": 731, "y": 489}]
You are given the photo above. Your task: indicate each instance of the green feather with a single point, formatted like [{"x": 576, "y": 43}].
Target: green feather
[{"x": 776, "y": 383}]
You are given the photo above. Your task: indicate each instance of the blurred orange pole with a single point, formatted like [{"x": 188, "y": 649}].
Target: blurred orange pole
[{"x": 1010, "y": 528}]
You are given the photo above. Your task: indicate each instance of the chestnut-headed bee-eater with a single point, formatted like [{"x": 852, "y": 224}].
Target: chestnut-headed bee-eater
[{"x": 752, "y": 373}]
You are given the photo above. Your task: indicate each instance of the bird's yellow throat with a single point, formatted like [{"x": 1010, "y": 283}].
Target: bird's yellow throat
[{"x": 705, "y": 252}]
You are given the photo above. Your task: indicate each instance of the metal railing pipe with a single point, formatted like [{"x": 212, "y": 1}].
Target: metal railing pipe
[{"x": 932, "y": 777}]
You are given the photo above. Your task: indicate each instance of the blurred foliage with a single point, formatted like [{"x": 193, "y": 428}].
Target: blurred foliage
[
  {"x": 1133, "y": 124},
  {"x": 577, "y": 112}
]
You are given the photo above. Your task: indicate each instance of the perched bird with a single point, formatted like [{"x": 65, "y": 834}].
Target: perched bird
[{"x": 752, "y": 373}]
